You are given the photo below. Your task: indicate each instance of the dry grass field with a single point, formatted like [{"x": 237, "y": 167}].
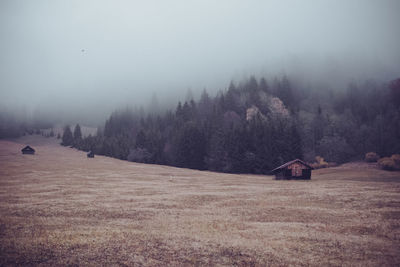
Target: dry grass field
[{"x": 60, "y": 208}]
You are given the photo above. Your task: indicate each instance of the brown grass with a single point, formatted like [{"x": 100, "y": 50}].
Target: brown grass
[{"x": 60, "y": 208}]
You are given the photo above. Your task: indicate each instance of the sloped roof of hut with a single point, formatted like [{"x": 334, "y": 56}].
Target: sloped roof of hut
[
  {"x": 28, "y": 148},
  {"x": 291, "y": 162}
]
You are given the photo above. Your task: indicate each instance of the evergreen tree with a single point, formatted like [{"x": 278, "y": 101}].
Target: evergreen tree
[
  {"x": 252, "y": 87},
  {"x": 179, "y": 112},
  {"x": 285, "y": 93},
  {"x": 77, "y": 133},
  {"x": 264, "y": 86},
  {"x": 217, "y": 156},
  {"x": 191, "y": 147},
  {"x": 205, "y": 104},
  {"x": 141, "y": 140},
  {"x": 67, "y": 138},
  {"x": 295, "y": 143},
  {"x": 395, "y": 92}
]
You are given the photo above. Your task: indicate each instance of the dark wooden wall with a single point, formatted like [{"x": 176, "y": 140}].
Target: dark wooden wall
[{"x": 287, "y": 174}]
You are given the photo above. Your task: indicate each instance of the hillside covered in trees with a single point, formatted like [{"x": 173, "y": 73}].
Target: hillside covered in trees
[{"x": 256, "y": 125}]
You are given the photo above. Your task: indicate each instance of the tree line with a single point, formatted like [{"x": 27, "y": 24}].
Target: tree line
[{"x": 254, "y": 126}]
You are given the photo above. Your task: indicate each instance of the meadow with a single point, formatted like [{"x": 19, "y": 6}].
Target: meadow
[{"x": 59, "y": 207}]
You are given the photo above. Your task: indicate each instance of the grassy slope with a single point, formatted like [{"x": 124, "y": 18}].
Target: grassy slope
[{"x": 59, "y": 207}]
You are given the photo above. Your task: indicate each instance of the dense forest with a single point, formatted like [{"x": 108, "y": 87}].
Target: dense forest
[{"x": 254, "y": 126}]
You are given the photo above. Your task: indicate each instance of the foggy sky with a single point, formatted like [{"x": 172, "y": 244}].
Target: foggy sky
[{"x": 70, "y": 55}]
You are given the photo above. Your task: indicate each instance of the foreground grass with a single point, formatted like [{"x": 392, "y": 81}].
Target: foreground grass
[{"x": 60, "y": 208}]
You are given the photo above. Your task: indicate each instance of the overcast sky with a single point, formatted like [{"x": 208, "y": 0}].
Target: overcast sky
[{"x": 59, "y": 52}]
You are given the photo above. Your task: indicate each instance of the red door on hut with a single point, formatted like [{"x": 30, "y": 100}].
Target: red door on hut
[{"x": 297, "y": 169}]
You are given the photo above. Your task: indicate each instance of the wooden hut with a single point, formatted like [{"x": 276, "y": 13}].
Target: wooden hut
[
  {"x": 90, "y": 154},
  {"x": 295, "y": 169},
  {"x": 28, "y": 150}
]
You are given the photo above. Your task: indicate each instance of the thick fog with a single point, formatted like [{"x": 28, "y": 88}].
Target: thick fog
[{"x": 89, "y": 57}]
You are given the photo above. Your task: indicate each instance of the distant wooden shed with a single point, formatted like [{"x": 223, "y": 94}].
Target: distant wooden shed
[
  {"x": 295, "y": 169},
  {"x": 90, "y": 154},
  {"x": 28, "y": 150}
]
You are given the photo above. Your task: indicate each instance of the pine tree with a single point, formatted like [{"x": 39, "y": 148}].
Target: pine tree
[
  {"x": 252, "y": 87},
  {"x": 67, "y": 138},
  {"x": 77, "y": 133},
  {"x": 141, "y": 141},
  {"x": 285, "y": 93},
  {"x": 264, "y": 86},
  {"x": 295, "y": 142},
  {"x": 178, "y": 112},
  {"x": 205, "y": 104},
  {"x": 191, "y": 147}
]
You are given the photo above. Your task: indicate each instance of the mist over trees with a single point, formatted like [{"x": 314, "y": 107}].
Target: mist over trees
[
  {"x": 256, "y": 125},
  {"x": 14, "y": 124}
]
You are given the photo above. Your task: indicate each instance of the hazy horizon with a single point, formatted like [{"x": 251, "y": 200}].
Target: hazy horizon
[{"x": 95, "y": 56}]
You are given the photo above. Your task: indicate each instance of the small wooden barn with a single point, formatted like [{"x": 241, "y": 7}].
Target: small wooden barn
[
  {"x": 90, "y": 154},
  {"x": 28, "y": 150},
  {"x": 295, "y": 169}
]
